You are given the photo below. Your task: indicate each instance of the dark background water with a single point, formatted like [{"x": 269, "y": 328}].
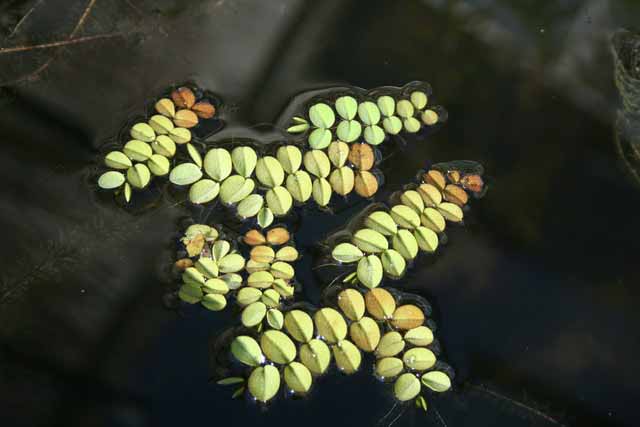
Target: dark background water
[{"x": 536, "y": 298}]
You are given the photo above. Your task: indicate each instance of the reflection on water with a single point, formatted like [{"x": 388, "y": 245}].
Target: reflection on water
[{"x": 626, "y": 54}]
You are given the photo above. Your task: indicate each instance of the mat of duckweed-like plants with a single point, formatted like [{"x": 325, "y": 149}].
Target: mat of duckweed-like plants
[{"x": 331, "y": 145}]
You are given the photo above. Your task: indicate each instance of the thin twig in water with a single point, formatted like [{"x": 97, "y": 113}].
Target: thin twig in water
[
  {"x": 83, "y": 18},
  {"x": 336, "y": 279},
  {"x": 55, "y": 256},
  {"x": 440, "y": 419},
  {"x": 57, "y": 43},
  {"x": 518, "y": 404},
  {"x": 388, "y": 413},
  {"x": 324, "y": 265},
  {"x": 134, "y": 7},
  {"x": 24, "y": 18},
  {"x": 34, "y": 74},
  {"x": 397, "y": 417}
]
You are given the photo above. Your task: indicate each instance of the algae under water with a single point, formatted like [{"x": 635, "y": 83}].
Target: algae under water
[{"x": 533, "y": 298}]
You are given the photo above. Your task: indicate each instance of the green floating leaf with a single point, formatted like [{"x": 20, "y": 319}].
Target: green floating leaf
[
  {"x": 194, "y": 154},
  {"x": 421, "y": 403},
  {"x": 237, "y": 393},
  {"x": 411, "y": 125},
  {"x": 349, "y": 130},
  {"x": 405, "y": 109},
  {"x": 349, "y": 277},
  {"x": 393, "y": 125},
  {"x": 387, "y": 105},
  {"x": 139, "y": 175},
  {"x": 190, "y": 293},
  {"x": 158, "y": 165},
  {"x": 265, "y": 217},
  {"x": 370, "y": 271},
  {"x": 278, "y": 347},
  {"x": 322, "y": 115},
  {"x": 264, "y": 382},
  {"x": 127, "y": 192},
  {"x": 143, "y": 132},
  {"x": 203, "y": 191},
  {"x": 244, "y": 160},
  {"x": 437, "y": 381},
  {"x": 236, "y": 188},
  {"x": 419, "y": 99},
  {"x": 230, "y": 381},
  {"x": 369, "y": 113},
  {"x": 406, "y": 387},
  {"x": 347, "y": 356},
  {"x": 110, "y": 180},
  {"x": 218, "y": 164},
  {"x": 269, "y": 171},
  {"x": 299, "y": 128},
  {"x": 298, "y": 377},
  {"x": 185, "y": 174},
  {"x": 290, "y": 158},
  {"x": 214, "y": 302},
  {"x": 247, "y": 350},
  {"x": 117, "y": 160},
  {"x": 136, "y": 150},
  {"x": 346, "y": 106},
  {"x": 320, "y": 138},
  {"x": 250, "y": 206},
  {"x": 299, "y": 185},
  {"x": 164, "y": 146},
  {"x": 374, "y": 135},
  {"x": 346, "y": 253},
  {"x": 279, "y": 201}
]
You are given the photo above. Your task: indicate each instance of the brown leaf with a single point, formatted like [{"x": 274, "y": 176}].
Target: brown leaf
[
  {"x": 473, "y": 183},
  {"x": 204, "y": 109},
  {"x": 254, "y": 237},
  {"x": 184, "y": 263},
  {"x": 195, "y": 245},
  {"x": 278, "y": 236},
  {"x": 362, "y": 157},
  {"x": 454, "y": 194},
  {"x": 366, "y": 184},
  {"x": 435, "y": 178},
  {"x": 183, "y": 97},
  {"x": 453, "y": 176},
  {"x": 185, "y": 119}
]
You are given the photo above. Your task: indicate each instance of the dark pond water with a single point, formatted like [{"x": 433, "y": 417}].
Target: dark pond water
[{"x": 536, "y": 297}]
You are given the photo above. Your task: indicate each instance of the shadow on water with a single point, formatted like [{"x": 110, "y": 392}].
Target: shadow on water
[{"x": 534, "y": 297}]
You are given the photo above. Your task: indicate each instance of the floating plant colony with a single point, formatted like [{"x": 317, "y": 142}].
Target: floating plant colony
[{"x": 331, "y": 147}]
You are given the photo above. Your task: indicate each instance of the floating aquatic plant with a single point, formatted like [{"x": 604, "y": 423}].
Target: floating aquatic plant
[
  {"x": 153, "y": 143},
  {"x": 372, "y": 116},
  {"x": 213, "y": 270},
  {"x": 330, "y": 147},
  {"x": 339, "y": 156},
  {"x": 393, "y": 326}
]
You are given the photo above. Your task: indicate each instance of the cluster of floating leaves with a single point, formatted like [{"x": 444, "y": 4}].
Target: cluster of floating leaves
[
  {"x": 333, "y": 147},
  {"x": 347, "y": 128},
  {"x": 371, "y": 118},
  {"x": 267, "y": 182},
  {"x": 291, "y": 355},
  {"x": 214, "y": 270},
  {"x": 360, "y": 316},
  {"x": 154, "y": 142},
  {"x": 389, "y": 239}
]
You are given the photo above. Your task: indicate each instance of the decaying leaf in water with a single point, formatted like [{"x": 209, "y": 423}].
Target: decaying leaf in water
[{"x": 195, "y": 245}]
